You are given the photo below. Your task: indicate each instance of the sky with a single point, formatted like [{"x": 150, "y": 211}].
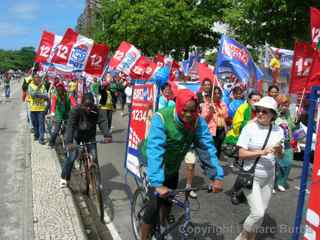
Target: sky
[{"x": 22, "y": 21}]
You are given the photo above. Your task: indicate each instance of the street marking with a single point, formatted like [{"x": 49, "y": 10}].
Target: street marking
[{"x": 113, "y": 231}]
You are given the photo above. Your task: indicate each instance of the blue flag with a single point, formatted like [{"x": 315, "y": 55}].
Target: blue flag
[{"x": 233, "y": 57}]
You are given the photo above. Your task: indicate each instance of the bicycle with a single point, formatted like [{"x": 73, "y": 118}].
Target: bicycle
[
  {"x": 91, "y": 178},
  {"x": 137, "y": 210}
]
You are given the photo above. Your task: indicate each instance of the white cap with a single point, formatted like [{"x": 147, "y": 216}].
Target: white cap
[{"x": 267, "y": 102}]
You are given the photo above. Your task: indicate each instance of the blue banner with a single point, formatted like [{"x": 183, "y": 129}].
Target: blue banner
[{"x": 234, "y": 56}]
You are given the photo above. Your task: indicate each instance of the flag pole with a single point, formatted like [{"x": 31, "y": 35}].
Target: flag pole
[{"x": 300, "y": 104}]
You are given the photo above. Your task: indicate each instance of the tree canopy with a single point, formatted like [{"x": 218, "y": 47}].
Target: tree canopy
[
  {"x": 158, "y": 25},
  {"x": 166, "y": 25},
  {"x": 17, "y": 59}
]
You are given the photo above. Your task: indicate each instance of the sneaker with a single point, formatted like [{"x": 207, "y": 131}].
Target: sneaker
[
  {"x": 42, "y": 142},
  {"x": 122, "y": 113},
  {"x": 274, "y": 191},
  {"x": 281, "y": 188},
  {"x": 193, "y": 194},
  {"x": 63, "y": 183}
]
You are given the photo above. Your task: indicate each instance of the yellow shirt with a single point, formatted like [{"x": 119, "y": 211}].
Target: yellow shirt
[
  {"x": 72, "y": 86},
  {"x": 108, "y": 105},
  {"x": 36, "y": 104},
  {"x": 275, "y": 63}
]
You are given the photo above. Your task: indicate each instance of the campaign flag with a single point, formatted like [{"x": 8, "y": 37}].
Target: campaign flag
[
  {"x": 301, "y": 64},
  {"x": 159, "y": 60},
  {"x": 97, "y": 59},
  {"x": 314, "y": 75},
  {"x": 206, "y": 72},
  {"x": 174, "y": 71},
  {"x": 312, "y": 231},
  {"x": 235, "y": 56},
  {"x": 48, "y": 42},
  {"x": 315, "y": 26},
  {"x": 72, "y": 52},
  {"x": 61, "y": 55},
  {"x": 143, "y": 105},
  {"x": 194, "y": 86},
  {"x": 124, "y": 58},
  {"x": 143, "y": 69}
]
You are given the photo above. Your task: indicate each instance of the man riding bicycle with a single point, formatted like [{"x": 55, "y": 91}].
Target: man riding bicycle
[
  {"x": 173, "y": 130},
  {"x": 81, "y": 127}
]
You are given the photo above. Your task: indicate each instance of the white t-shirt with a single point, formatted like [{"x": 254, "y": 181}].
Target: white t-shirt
[{"x": 252, "y": 137}]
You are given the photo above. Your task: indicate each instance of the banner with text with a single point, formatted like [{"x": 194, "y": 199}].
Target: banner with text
[
  {"x": 301, "y": 64},
  {"x": 124, "y": 58},
  {"x": 143, "y": 104}
]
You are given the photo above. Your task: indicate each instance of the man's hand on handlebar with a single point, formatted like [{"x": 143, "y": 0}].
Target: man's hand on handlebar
[
  {"x": 70, "y": 146},
  {"x": 216, "y": 186},
  {"x": 163, "y": 191}
]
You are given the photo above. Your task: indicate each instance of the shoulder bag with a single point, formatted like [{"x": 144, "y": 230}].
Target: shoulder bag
[{"x": 245, "y": 177}]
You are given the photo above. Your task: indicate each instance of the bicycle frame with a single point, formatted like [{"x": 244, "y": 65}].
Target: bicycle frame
[{"x": 185, "y": 216}]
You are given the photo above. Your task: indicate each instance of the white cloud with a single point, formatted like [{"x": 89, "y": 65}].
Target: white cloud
[
  {"x": 11, "y": 29},
  {"x": 27, "y": 11}
]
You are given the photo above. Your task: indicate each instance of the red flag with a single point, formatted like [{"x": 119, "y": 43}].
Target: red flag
[
  {"x": 315, "y": 26},
  {"x": 143, "y": 69},
  {"x": 314, "y": 75},
  {"x": 62, "y": 54},
  {"x": 119, "y": 54},
  {"x": 97, "y": 59},
  {"x": 46, "y": 44},
  {"x": 302, "y": 60},
  {"x": 125, "y": 58},
  {"x": 159, "y": 60},
  {"x": 173, "y": 71}
]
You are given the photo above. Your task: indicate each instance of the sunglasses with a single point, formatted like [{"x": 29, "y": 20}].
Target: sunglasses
[{"x": 263, "y": 111}]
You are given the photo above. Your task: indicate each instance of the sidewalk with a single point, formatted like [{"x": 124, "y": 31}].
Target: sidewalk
[{"x": 54, "y": 211}]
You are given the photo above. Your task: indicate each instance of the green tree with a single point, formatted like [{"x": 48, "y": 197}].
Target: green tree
[
  {"x": 278, "y": 22},
  {"x": 20, "y": 59},
  {"x": 158, "y": 25}
]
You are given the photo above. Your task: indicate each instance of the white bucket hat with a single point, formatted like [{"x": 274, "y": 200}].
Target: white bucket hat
[{"x": 267, "y": 102}]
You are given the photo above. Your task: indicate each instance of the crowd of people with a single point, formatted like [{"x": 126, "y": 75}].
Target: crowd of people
[
  {"x": 248, "y": 130},
  {"x": 52, "y": 103}
]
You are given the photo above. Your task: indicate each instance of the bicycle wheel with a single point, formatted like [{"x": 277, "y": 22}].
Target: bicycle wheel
[
  {"x": 95, "y": 191},
  {"x": 84, "y": 180},
  {"x": 137, "y": 211}
]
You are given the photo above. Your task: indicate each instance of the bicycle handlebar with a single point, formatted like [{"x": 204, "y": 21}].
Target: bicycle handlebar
[{"x": 174, "y": 192}]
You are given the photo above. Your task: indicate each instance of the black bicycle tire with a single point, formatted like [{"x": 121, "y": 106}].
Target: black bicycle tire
[
  {"x": 83, "y": 171},
  {"x": 96, "y": 191},
  {"x": 132, "y": 212}
]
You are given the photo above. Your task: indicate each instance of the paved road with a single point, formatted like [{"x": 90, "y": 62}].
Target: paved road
[
  {"x": 217, "y": 218},
  {"x": 15, "y": 173}
]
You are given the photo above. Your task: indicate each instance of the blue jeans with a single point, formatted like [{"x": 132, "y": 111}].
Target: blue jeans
[
  {"x": 28, "y": 115},
  {"x": 55, "y": 131},
  {"x": 7, "y": 91},
  {"x": 37, "y": 119},
  {"x": 72, "y": 156}
]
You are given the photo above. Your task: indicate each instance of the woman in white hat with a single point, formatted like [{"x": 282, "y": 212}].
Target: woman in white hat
[{"x": 250, "y": 143}]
